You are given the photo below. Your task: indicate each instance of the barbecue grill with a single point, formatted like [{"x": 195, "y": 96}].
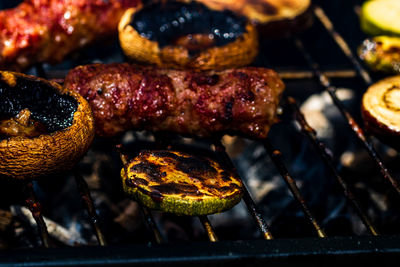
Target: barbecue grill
[{"x": 321, "y": 59}]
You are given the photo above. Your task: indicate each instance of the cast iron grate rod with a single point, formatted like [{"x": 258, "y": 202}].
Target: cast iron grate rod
[
  {"x": 146, "y": 211},
  {"x": 276, "y": 157},
  {"x": 248, "y": 200},
  {"x": 87, "y": 200},
  {"x": 341, "y": 42},
  {"x": 358, "y": 131},
  {"x": 36, "y": 209},
  {"x": 208, "y": 228},
  {"x": 323, "y": 151}
]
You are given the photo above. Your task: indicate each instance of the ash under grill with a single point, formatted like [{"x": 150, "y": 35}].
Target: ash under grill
[{"x": 326, "y": 199}]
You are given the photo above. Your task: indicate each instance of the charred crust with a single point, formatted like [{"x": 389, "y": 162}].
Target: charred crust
[
  {"x": 228, "y": 115},
  {"x": 225, "y": 176},
  {"x": 175, "y": 188},
  {"x": 195, "y": 166},
  {"x": 151, "y": 170},
  {"x": 204, "y": 79},
  {"x": 156, "y": 196}
]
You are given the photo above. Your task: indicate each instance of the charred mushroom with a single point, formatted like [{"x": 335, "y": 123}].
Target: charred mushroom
[
  {"x": 381, "y": 110},
  {"x": 44, "y": 128},
  {"x": 180, "y": 183},
  {"x": 187, "y": 35}
]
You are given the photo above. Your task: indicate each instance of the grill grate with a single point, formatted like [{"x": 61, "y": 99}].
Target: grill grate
[{"x": 240, "y": 252}]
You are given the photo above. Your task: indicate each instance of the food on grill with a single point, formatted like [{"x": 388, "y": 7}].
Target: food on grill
[
  {"x": 273, "y": 17},
  {"x": 123, "y": 96},
  {"x": 43, "y": 127},
  {"x": 381, "y": 53},
  {"x": 380, "y": 17},
  {"x": 48, "y": 30},
  {"x": 187, "y": 35},
  {"x": 180, "y": 183},
  {"x": 381, "y": 110}
]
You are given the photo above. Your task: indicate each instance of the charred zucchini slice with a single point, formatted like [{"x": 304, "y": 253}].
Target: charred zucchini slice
[
  {"x": 380, "y": 17},
  {"x": 180, "y": 183},
  {"x": 381, "y": 53},
  {"x": 381, "y": 110}
]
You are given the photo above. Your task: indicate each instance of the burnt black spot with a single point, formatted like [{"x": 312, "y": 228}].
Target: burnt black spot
[
  {"x": 225, "y": 189},
  {"x": 196, "y": 167},
  {"x": 140, "y": 181},
  {"x": 156, "y": 196},
  {"x": 234, "y": 186},
  {"x": 129, "y": 182},
  {"x": 47, "y": 106},
  {"x": 164, "y": 154},
  {"x": 203, "y": 79},
  {"x": 99, "y": 91},
  {"x": 151, "y": 170},
  {"x": 247, "y": 95},
  {"x": 173, "y": 188},
  {"x": 225, "y": 176},
  {"x": 164, "y": 23},
  {"x": 228, "y": 111}
]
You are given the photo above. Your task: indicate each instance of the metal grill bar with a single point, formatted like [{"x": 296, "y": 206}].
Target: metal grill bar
[
  {"x": 152, "y": 224},
  {"x": 304, "y": 74},
  {"x": 328, "y": 25},
  {"x": 208, "y": 227},
  {"x": 89, "y": 205},
  {"x": 276, "y": 157},
  {"x": 327, "y": 158},
  {"x": 146, "y": 212},
  {"x": 325, "y": 82},
  {"x": 251, "y": 205},
  {"x": 35, "y": 208}
]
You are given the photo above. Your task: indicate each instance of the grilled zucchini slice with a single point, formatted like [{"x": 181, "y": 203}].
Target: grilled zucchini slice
[
  {"x": 381, "y": 54},
  {"x": 180, "y": 183},
  {"x": 380, "y": 17}
]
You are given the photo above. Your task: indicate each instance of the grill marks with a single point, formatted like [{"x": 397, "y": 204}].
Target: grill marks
[{"x": 162, "y": 173}]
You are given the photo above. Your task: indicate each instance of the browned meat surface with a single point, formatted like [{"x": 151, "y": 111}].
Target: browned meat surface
[
  {"x": 122, "y": 96},
  {"x": 48, "y": 30}
]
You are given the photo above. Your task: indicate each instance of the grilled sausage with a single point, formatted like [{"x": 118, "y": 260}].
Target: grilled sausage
[
  {"x": 48, "y": 30},
  {"x": 122, "y": 96}
]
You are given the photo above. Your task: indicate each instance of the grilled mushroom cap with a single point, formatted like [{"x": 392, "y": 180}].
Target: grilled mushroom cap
[
  {"x": 187, "y": 35},
  {"x": 180, "y": 183},
  {"x": 381, "y": 110},
  {"x": 44, "y": 128}
]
